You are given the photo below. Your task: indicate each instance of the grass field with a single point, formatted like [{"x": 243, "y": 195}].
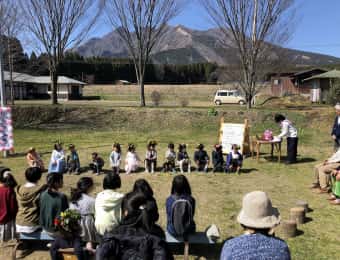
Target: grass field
[{"x": 218, "y": 195}]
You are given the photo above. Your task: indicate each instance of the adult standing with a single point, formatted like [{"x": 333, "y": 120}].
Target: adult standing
[
  {"x": 289, "y": 131},
  {"x": 258, "y": 218},
  {"x": 336, "y": 128}
]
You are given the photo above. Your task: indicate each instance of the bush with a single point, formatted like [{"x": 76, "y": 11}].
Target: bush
[
  {"x": 212, "y": 112},
  {"x": 184, "y": 102},
  {"x": 156, "y": 98},
  {"x": 333, "y": 96}
]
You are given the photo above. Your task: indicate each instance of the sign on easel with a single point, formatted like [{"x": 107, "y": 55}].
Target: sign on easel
[
  {"x": 6, "y": 129},
  {"x": 231, "y": 133}
]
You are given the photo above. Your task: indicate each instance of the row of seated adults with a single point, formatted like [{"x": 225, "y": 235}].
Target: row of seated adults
[
  {"x": 61, "y": 162},
  {"x": 327, "y": 178},
  {"x": 124, "y": 226}
]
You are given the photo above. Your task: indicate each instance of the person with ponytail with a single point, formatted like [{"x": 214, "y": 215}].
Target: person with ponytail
[
  {"x": 52, "y": 203},
  {"x": 137, "y": 237},
  {"x": 84, "y": 204},
  {"x": 142, "y": 186},
  {"x": 8, "y": 205}
]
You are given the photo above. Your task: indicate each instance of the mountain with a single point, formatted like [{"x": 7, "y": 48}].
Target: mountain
[{"x": 181, "y": 45}]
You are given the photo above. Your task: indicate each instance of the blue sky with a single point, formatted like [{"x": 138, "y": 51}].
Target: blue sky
[{"x": 317, "y": 26}]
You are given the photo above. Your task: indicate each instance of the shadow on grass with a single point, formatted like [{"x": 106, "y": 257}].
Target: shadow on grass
[
  {"x": 249, "y": 170},
  {"x": 308, "y": 219},
  {"x": 299, "y": 233}
]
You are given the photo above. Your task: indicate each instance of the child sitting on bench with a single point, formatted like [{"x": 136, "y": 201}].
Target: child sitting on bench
[
  {"x": 28, "y": 195},
  {"x": 67, "y": 225},
  {"x": 8, "y": 205},
  {"x": 52, "y": 203},
  {"x": 151, "y": 157}
]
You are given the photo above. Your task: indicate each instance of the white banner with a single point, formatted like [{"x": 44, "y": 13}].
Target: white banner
[{"x": 6, "y": 129}]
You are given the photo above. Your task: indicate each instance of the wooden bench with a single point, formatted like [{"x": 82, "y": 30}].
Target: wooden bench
[
  {"x": 199, "y": 238},
  {"x": 39, "y": 235}
]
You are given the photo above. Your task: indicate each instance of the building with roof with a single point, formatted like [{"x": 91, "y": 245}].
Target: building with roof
[
  {"x": 321, "y": 83},
  {"x": 39, "y": 87},
  {"x": 293, "y": 83}
]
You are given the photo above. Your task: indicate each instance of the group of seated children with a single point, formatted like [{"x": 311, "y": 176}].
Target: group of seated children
[
  {"x": 118, "y": 226},
  {"x": 70, "y": 163},
  {"x": 110, "y": 224}
]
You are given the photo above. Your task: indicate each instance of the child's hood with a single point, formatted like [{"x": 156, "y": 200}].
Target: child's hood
[
  {"x": 109, "y": 199},
  {"x": 28, "y": 194}
]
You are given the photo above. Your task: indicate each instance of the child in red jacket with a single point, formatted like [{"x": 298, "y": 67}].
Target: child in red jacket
[{"x": 8, "y": 205}]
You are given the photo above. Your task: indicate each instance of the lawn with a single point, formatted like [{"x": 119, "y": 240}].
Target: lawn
[{"x": 218, "y": 195}]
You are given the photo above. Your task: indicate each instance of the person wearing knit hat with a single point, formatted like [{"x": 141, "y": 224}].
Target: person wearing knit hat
[
  {"x": 258, "y": 218},
  {"x": 336, "y": 128}
]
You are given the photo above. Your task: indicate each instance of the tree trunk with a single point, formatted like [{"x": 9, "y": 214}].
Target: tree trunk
[
  {"x": 142, "y": 94},
  {"x": 249, "y": 103},
  {"x": 54, "y": 86}
]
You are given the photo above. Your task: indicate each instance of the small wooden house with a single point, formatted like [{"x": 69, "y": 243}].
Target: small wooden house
[
  {"x": 293, "y": 83},
  {"x": 320, "y": 84}
]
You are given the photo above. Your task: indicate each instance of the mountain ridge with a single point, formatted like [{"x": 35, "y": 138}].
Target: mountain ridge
[{"x": 183, "y": 45}]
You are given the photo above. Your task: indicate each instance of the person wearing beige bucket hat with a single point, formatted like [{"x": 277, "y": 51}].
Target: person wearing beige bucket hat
[
  {"x": 258, "y": 218},
  {"x": 336, "y": 128}
]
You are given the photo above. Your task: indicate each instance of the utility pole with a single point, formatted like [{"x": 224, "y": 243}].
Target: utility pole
[{"x": 2, "y": 86}]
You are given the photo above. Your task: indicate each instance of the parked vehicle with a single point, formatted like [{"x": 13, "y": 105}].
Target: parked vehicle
[{"x": 228, "y": 97}]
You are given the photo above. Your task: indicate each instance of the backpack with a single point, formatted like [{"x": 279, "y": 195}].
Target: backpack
[{"x": 182, "y": 217}]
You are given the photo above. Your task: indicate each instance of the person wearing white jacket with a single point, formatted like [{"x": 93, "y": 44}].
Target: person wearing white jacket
[
  {"x": 288, "y": 130},
  {"x": 108, "y": 210},
  {"x": 57, "y": 162}
]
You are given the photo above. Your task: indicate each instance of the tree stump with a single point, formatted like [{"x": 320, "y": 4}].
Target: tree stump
[
  {"x": 304, "y": 204},
  {"x": 288, "y": 228},
  {"x": 298, "y": 214}
]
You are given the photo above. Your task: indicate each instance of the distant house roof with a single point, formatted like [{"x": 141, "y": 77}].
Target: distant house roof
[
  {"x": 26, "y": 78},
  {"x": 332, "y": 74}
]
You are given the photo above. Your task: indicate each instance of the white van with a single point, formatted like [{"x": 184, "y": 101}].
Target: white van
[{"x": 229, "y": 97}]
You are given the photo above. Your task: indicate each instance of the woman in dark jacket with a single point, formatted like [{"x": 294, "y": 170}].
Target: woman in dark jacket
[{"x": 137, "y": 237}]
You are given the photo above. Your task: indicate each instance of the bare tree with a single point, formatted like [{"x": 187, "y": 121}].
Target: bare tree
[
  {"x": 11, "y": 29},
  {"x": 255, "y": 27},
  {"x": 58, "y": 25},
  {"x": 141, "y": 24}
]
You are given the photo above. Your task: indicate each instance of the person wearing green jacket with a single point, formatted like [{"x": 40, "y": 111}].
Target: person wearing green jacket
[
  {"x": 335, "y": 178},
  {"x": 52, "y": 203}
]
